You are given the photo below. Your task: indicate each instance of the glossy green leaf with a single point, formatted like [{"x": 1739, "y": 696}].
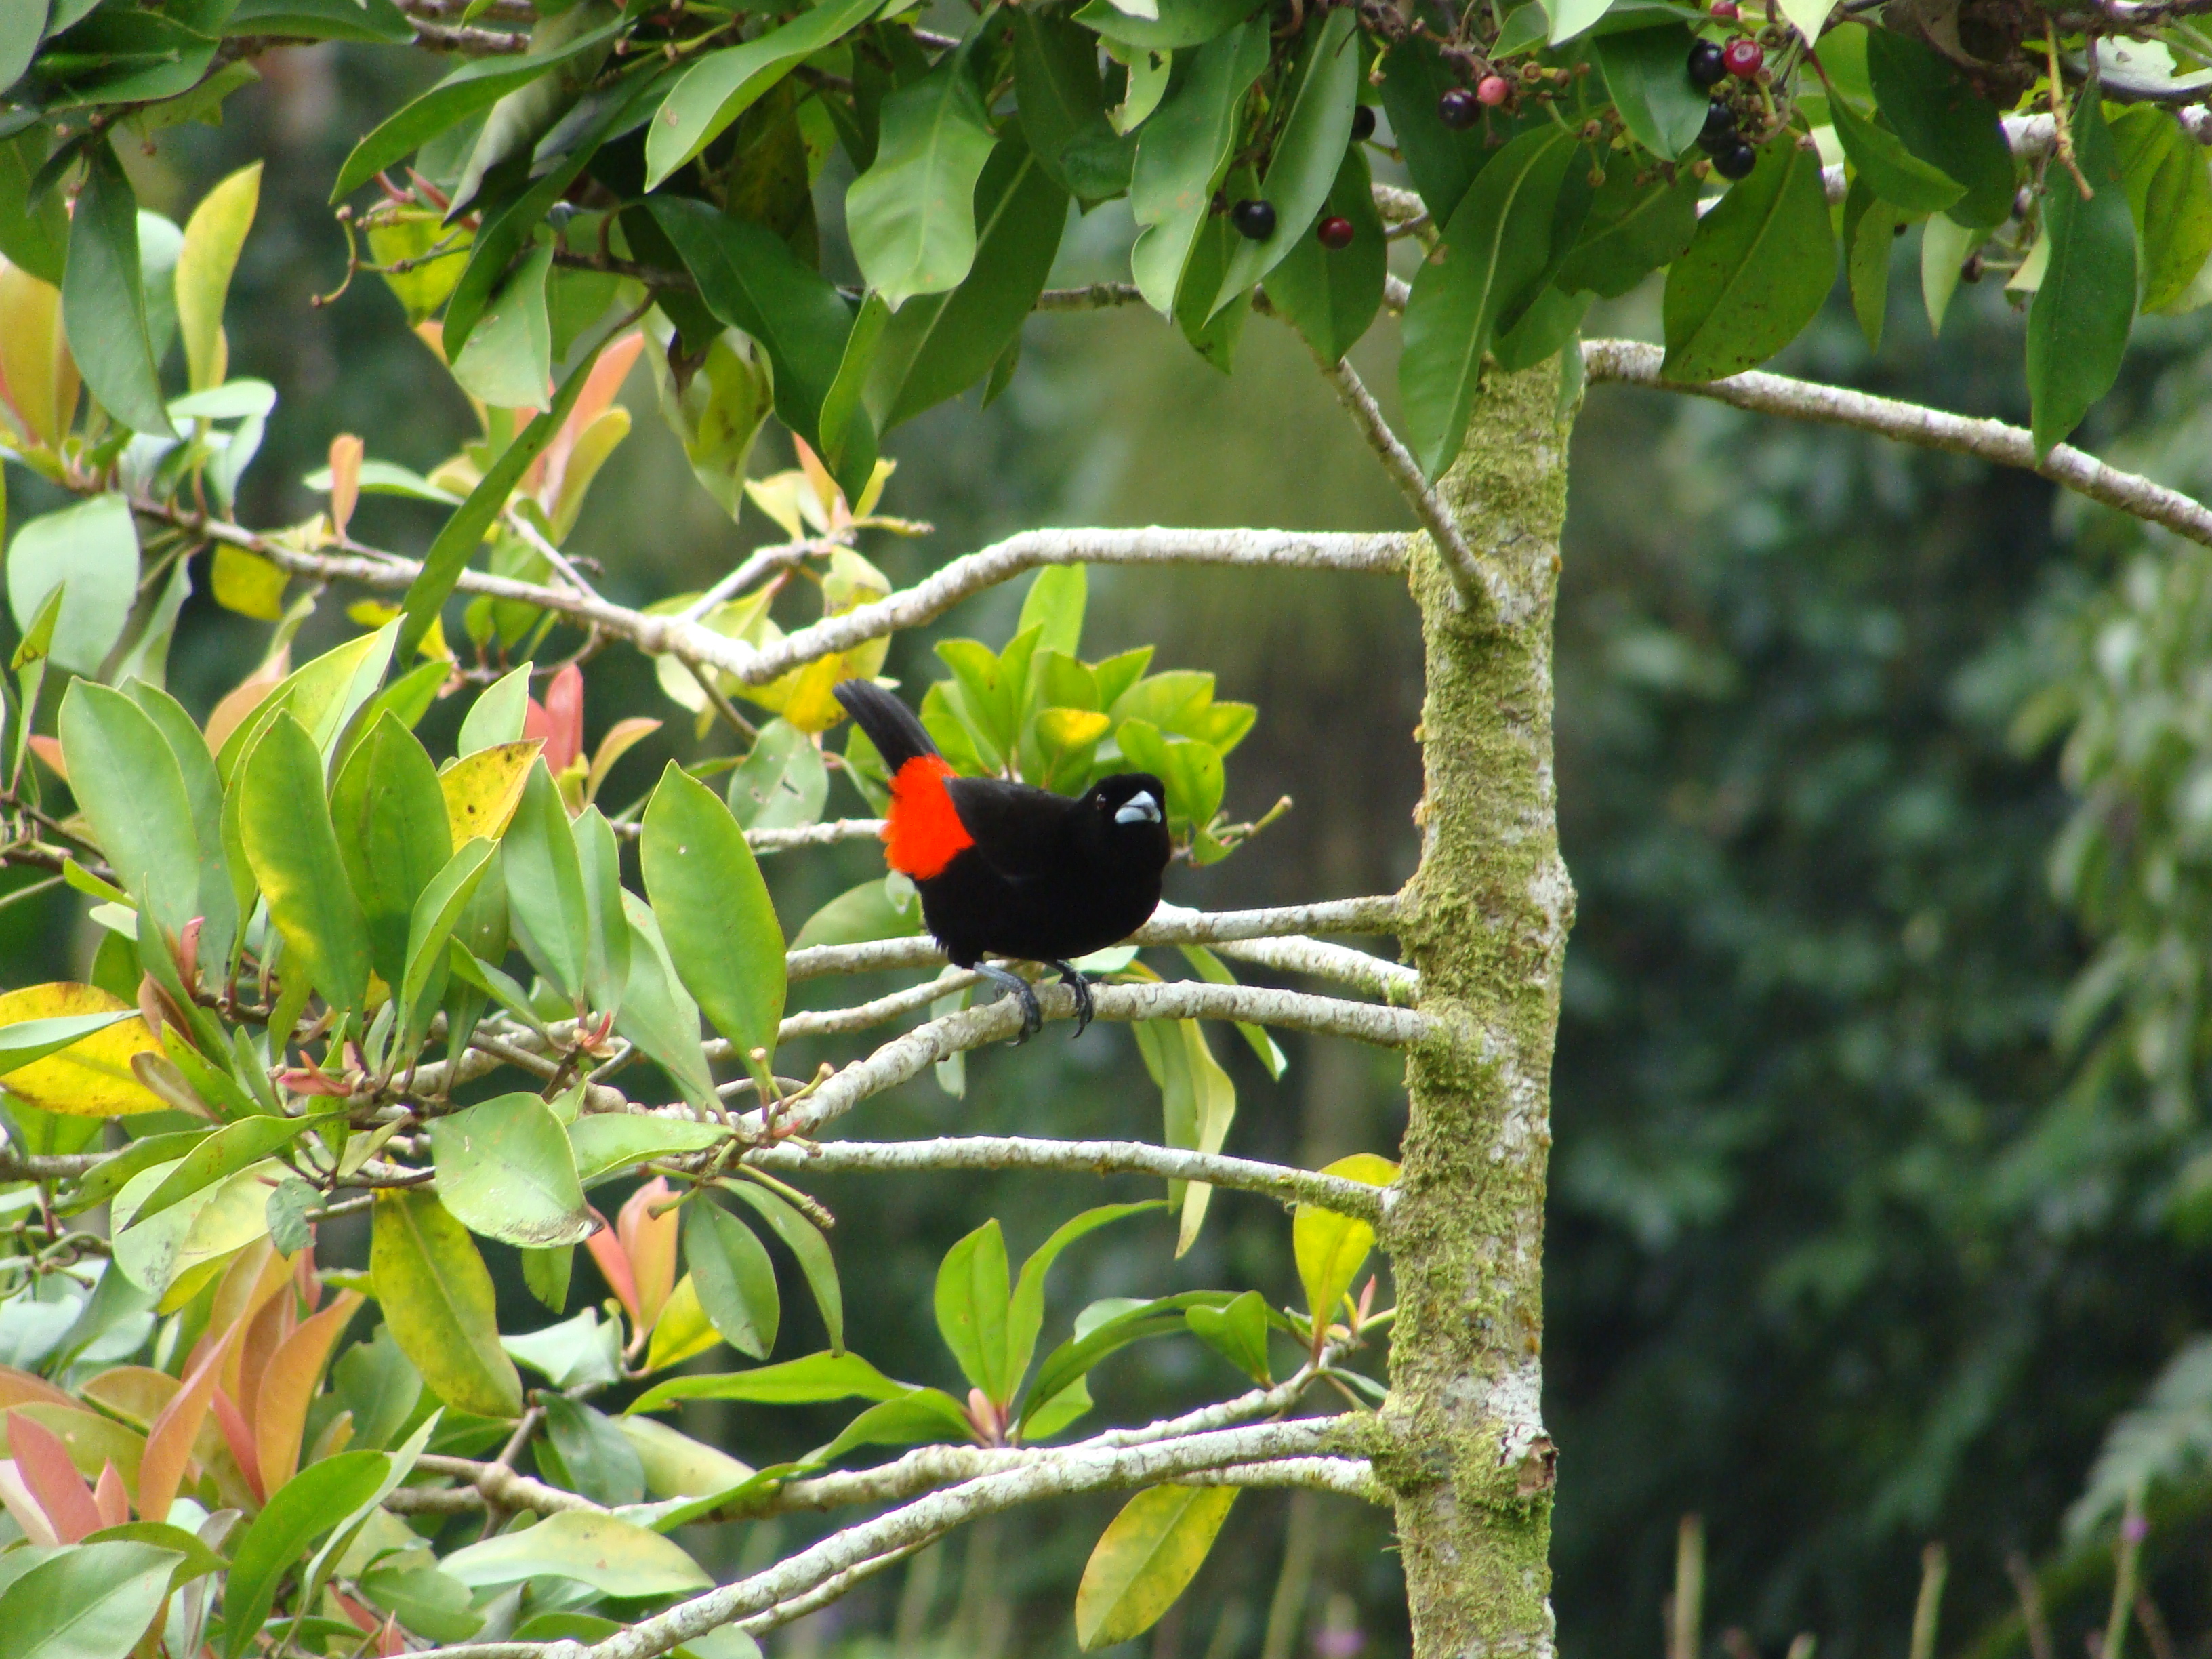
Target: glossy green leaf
[
  {"x": 374, "y": 22},
  {"x": 1238, "y": 1332},
  {"x": 713, "y": 910},
  {"x": 1331, "y": 295},
  {"x": 1180, "y": 23},
  {"x": 310, "y": 1503},
  {"x": 445, "y": 900},
  {"x": 505, "y": 1171},
  {"x": 1026, "y": 1310},
  {"x": 658, "y": 1014},
  {"x": 1942, "y": 120},
  {"x": 921, "y": 1417},
  {"x": 35, "y": 237},
  {"x": 733, "y": 1277},
  {"x": 912, "y": 214},
  {"x": 1892, "y": 172},
  {"x": 938, "y": 345},
  {"x": 2079, "y": 322},
  {"x": 782, "y": 784},
  {"x": 19, "y": 30},
  {"x": 595, "y": 1455},
  {"x": 1760, "y": 265},
  {"x": 89, "y": 553},
  {"x": 1144, "y": 1559},
  {"x": 221, "y": 1155},
  {"x": 2171, "y": 191},
  {"x": 129, "y": 785},
  {"x": 1662, "y": 107},
  {"x": 507, "y": 358},
  {"x": 1057, "y": 91},
  {"x": 1124, "y": 1324},
  {"x": 1496, "y": 249},
  {"x": 104, "y": 302},
  {"x": 809, "y": 1381},
  {"x": 213, "y": 239},
  {"x": 547, "y": 1273},
  {"x": 1631, "y": 230},
  {"x": 476, "y": 85},
  {"x": 1331, "y": 1248},
  {"x": 204, "y": 790},
  {"x": 1183, "y": 147},
  {"x": 972, "y": 1305},
  {"x": 722, "y": 85},
  {"x": 285, "y": 825},
  {"x": 545, "y": 902},
  {"x": 91, "y": 1602},
  {"x": 1309, "y": 154},
  {"x": 389, "y": 815},
  {"x": 611, "y": 1555},
  {"x": 438, "y": 1305},
  {"x": 805, "y": 1240},
  {"x": 1211, "y": 968},
  {"x": 605, "y": 1143},
  {"x": 576, "y": 1352},
  {"x": 1869, "y": 243},
  {"x": 607, "y": 939},
  {"x": 1444, "y": 163}
]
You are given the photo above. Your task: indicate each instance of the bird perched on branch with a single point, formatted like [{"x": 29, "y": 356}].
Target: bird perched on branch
[{"x": 1012, "y": 871}]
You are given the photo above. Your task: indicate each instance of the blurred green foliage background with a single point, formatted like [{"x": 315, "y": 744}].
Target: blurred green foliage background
[{"x": 1871, "y": 1212}]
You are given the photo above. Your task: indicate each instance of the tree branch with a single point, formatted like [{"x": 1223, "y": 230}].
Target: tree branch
[
  {"x": 1350, "y": 1198},
  {"x": 1635, "y": 364}
]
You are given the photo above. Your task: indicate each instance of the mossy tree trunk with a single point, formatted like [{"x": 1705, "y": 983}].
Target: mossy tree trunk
[{"x": 1486, "y": 920}]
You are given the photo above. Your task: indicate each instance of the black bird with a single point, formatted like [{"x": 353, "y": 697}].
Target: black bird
[{"x": 1011, "y": 869}]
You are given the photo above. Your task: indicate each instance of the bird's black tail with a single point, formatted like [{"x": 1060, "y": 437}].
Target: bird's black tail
[{"x": 896, "y": 731}]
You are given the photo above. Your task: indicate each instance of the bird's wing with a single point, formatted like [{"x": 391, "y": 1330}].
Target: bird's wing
[{"x": 1019, "y": 831}]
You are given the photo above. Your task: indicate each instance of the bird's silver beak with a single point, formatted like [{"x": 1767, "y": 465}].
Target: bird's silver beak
[{"x": 1140, "y": 808}]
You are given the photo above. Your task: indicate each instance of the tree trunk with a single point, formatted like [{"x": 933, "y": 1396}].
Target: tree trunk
[{"x": 1484, "y": 919}]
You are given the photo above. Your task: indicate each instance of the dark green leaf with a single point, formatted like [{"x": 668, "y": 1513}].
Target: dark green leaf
[
  {"x": 1072, "y": 1359},
  {"x": 1182, "y": 149},
  {"x": 1892, "y": 172},
  {"x": 390, "y": 816},
  {"x": 222, "y": 1155},
  {"x": 1869, "y": 243},
  {"x": 1631, "y": 230},
  {"x": 1944, "y": 122},
  {"x": 1443, "y": 162},
  {"x": 20, "y": 26},
  {"x": 35, "y": 238},
  {"x": 285, "y": 825},
  {"x": 1550, "y": 319},
  {"x": 805, "y": 1240},
  {"x": 2078, "y": 325},
  {"x": 925, "y": 1416},
  {"x": 503, "y": 355},
  {"x": 733, "y": 1277},
  {"x": 658, "y": 1014},
  {"x": 1025, "y": 1311},
  {"x": 1759, "y": 268},
  {"x": 104, "y": 302},
  {"x": 376, "y": 21},
  {"x": 546, "y": 886},
  {"x": 1662, "y": 107},
  {"x": 1238, "y": 1332},
  {"x": 1056, "y": 87},
  {"x": 870, "y": 911},
  {"x": 600, "y": 1459},
  {"x": 1181, "y": 23}
]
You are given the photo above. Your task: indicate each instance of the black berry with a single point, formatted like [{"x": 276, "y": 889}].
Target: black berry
[
  {"x": 1719, "y": 132},
  {"x": 1459, "y": 109},
  {"x": 1737, "y": 162},
  {"x": 1707, "y": 64},
  {"x": 1254, "y": 219},
  {"x": 1363, "y": 123},
  {"x": 1334, "y": 232}
]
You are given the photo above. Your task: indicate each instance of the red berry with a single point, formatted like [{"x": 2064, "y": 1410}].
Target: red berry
[
  {"x": 1725, "y": 9},
  {"x": 1742, "y": 58},
  {"x": 1491, "y": 90},
  {"x": 1334, "y": 232},
  {"x": 1458, "y": 110}
]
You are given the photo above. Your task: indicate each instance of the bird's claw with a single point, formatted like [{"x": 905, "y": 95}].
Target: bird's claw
[
  {"x": 1079, "y": 982},
  {"x": 1014, "y": 985}
]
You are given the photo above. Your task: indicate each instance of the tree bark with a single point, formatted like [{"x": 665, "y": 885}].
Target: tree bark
[{"x": 1462, "y": 1443}]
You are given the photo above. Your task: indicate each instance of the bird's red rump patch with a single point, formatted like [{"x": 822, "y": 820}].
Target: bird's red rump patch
[{"x": 924, "y": 830}]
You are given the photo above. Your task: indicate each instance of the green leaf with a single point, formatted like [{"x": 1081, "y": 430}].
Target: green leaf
[
  {"x": 445, "y": 899},
  {"x": 88, "y": 553},
  {"x": 474, "y": 86},
  {"x": 438, "y": 1305},
  {"x": 606, "y": 958},
  {"x": 714, "y": 911},
  {"x": 35, "y": 236},
  {"x": 104, "y": 300},
  {"x": 204, "y": 789},
  {"x": 1238, "y": 1332},
  {"x": 1331, "y": 1248},
  {"x": 1181, "y": 23},
  {"x": 817, "y": 1377},
  {"x": 306, "y": 1506},
  {"x": 1331, "y": 295},
  {"x": 870, "y": 911},
  {"x": 1496, "y": 251},
  {"x": 1057, "y": 91},
  {"x": 222, "y": 1155},
  {"x": 783, "y": 783},
  {"x": 1144, "y": 1559},
  {"x": 2079, "y": 322},
  {"x": 545, "y": 902},
  {"x": 805, "y": 1240},
  {"x": 1182, "y": 149},
  {"x": 1662, "y": 107},
  {"x": 1198, "y": 1105},
  {"x": 1074, "y": 1358},
  {"x": 19, "y": 30},
  {"x": 389, "y": 815},
  {"x": 372, "y": 21},
  {"x": 213, "y": 238},
  {"x": 575, "y": 1351},
  {"x": 32, "y": 1039},
  {"x": 285, "y": 825},
  {"x": 923, "y": 1416},
  {"x": 598, "y": 1457},
  {"x": 505, "y": 1171},
  {"x": 1308, "y": 155},
  {"x": 1444, "y": 163},
  {"x": 733, "y": 1277},
  {"x": 1211, "y": 968},
  {"x": 658, "y": 1014},
  {"x": 1945, "y": 246},
  {"x": 497, "y": 716},
  {"x": 912, "y": 214},
  {"x": 1869, "y": 243},
  {"x": 1572, "y": 17},
  {"x": 1892, "y": 172},
  {"x": 722, "y": 85},
  {"x": 938, "y": 345},
  {"x": 94, "y": 1601},
  {"x": 2170, "y": 192},
  {"x": 972, "y": 1308},
  {"x": 506, "y": 359},
  {"x": 605, "y": 1143},
  {"x": 1757, "y": 271},
  {"x": 611, "y": 1555},
  {"x": 129, "y": 785},
  {"x": 1631, "y": 230},
  {"x": 1942, "y": 120},
  {"x": 1025, "y": 1311}
]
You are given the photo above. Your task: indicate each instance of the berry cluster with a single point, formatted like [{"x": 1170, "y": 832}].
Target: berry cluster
[{"x": 1733, "y": 158}]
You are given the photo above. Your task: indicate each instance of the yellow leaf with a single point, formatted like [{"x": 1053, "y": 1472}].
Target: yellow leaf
[
  {"x": 1144, "y": 1559},
  {"x": 35, "y": 364},
  {"x": 804, "y": 698},
  {"x": 1331, "y": 1248},
  {"x": 483, "y": 790},
  {"x": 873, "y": 491},
  {"x": 408, "y": 235},
  {"x": 249, "y": 584},
  {"x": 683, "y": 1330},
  {"x": 593, "y": 446},
  {"x": 1063, "y": 729},
  {"x": 345, "y": 480},
  {"x": 213, "y": 237},
  {"x": 91, "y": 1079}
]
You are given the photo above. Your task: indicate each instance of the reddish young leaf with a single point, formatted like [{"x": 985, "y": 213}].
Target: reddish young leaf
[{"x": 44, "y": 1463}]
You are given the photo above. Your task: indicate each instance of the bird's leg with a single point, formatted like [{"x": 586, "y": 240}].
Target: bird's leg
[
  {"x": 1014, "y": 985},
  {"x": 1079, "y": 982}
]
